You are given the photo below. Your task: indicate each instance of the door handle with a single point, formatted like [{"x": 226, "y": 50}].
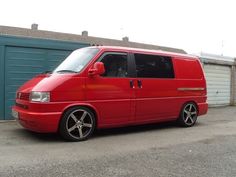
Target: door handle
[
  {"x": 140, "y": 84},
  {"x": 131, "y": 83}
]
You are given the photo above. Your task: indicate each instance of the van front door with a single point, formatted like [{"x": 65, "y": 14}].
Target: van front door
[
  {"x": 156, "y": 88},
  {"x": 112, "y": 93}
]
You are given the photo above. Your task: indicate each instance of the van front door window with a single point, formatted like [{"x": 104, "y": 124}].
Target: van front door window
[{"x": 116, "y": 65}]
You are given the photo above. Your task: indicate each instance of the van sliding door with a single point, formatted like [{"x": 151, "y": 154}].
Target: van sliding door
[{"x": 156, "y": 88}]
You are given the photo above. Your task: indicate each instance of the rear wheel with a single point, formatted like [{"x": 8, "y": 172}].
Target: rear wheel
[
  {"x": 188, "y": 115},
  {"x": 77, "y": 124}
]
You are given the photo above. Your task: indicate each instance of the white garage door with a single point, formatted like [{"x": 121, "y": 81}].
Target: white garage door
[{"x": 218, "y": 84}]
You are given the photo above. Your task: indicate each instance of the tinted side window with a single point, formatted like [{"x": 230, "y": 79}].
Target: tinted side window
[
  {"x": 153, "y": 66},
  {"x": 116, "y": 65}
]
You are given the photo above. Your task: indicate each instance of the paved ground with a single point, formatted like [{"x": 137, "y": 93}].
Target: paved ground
[{"x": 208, "y": 149}]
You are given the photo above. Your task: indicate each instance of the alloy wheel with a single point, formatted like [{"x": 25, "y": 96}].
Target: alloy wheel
[
  {"x": 79, "y": 124},
  {"x": 189, "y": 114}
]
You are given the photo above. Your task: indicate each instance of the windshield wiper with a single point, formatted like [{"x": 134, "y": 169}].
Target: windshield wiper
[
  {"x": 66, "y": 71},
  {"x": 47, "y": 72}
]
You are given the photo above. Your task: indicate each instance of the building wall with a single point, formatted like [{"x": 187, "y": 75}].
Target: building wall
[
  {"x": 234, "y": 87},
  {"x": 23, "y": 58}
]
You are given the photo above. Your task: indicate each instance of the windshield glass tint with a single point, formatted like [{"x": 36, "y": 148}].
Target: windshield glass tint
[{"x": 77, "y": 60}]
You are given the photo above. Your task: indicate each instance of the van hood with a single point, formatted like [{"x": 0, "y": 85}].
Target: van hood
[{"x": 47, "y": 83}]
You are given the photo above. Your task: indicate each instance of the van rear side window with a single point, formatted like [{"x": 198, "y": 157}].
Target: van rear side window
[{"x": 153, "y": 66}]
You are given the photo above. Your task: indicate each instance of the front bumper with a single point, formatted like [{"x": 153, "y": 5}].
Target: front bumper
[{"x": 46, "y": 122}]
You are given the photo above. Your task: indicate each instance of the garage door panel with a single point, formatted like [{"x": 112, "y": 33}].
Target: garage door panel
[
  {"x": 20, "y": 63},
  {"x": 55, "y": 57},
  {"x": 221, "y": 75},
  {"x": 222, "y": 94},
  {"x": 223, "y": 90},
  {"x": 216, "y": 97},
  {"x": 20, "y": 69},
  {"x": 218, "y": 100},
  {"x": 222, "y": 81},
  {"x": 24, "y": 63},
  {"x": 212, "y": 83},
  {"x": 218, "y": 84}
]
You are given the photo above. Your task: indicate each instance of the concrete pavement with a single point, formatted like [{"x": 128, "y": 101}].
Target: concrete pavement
[{"x": 207, "y": 149}]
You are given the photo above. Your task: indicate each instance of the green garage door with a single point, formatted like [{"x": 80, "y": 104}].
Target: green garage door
[{"x": 22, "y": 63}]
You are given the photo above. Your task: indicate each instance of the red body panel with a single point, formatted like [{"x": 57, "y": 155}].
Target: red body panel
[{"x": 112, "y": 99}]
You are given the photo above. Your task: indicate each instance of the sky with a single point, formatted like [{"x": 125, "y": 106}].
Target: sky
[{"x": 193, "y": 25}]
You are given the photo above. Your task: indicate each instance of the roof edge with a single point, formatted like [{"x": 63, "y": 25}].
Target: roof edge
[{"x": 44, "y": 34}]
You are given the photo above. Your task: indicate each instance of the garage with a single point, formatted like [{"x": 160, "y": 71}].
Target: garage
[
  {"x": 23, "y": 58},
  {"x": 218, "y": 79}
]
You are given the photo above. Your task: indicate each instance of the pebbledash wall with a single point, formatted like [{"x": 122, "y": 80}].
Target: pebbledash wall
[{"x": 23, "y": 58}]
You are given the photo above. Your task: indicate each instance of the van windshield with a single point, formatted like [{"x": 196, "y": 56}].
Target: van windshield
[{"x": 76, "y": 61}]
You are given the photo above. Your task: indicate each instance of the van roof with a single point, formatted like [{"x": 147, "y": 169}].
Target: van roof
[{"x": 118, "y": 48}]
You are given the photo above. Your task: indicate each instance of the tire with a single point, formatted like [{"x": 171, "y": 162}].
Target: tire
[
  {"x": 188, "y": 115},
  {"x": 77, "y": 124}
]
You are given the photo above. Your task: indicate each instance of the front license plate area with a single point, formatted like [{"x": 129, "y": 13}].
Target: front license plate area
[{"x": 15, "y": 114}]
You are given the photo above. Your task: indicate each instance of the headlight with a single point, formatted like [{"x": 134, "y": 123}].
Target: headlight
[{"x": 40, "y": 96}]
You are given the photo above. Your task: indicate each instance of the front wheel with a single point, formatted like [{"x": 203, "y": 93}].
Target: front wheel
[
  {"x": 188, "y": 115},
  {"x": 77, "y": 124}
]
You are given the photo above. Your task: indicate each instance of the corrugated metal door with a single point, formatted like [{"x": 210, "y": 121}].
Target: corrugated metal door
[
  {"x": 22, "y": 63},
  {"x": 218, "y": 84},
  {"x": 55, "y": 57}
]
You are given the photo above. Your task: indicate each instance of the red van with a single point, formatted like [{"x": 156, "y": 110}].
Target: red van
[{"x": 101, "y": 87}]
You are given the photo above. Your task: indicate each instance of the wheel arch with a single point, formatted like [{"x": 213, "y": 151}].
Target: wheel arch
[
  {"x": 89, "y": 106},
  {"x": 184, "y": 122}
]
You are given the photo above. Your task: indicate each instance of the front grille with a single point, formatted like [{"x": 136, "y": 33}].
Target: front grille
[
  {"x": 23, "y": 96},
  {"x": 21, "y": 106}
]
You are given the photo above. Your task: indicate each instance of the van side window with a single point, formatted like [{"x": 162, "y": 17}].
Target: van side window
[
  {"x": 116, "y": 65},
  {"x": 154, "y": 66}
]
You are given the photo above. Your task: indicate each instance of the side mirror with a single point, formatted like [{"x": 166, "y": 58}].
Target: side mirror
[{"x": 97, "y": 69}]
